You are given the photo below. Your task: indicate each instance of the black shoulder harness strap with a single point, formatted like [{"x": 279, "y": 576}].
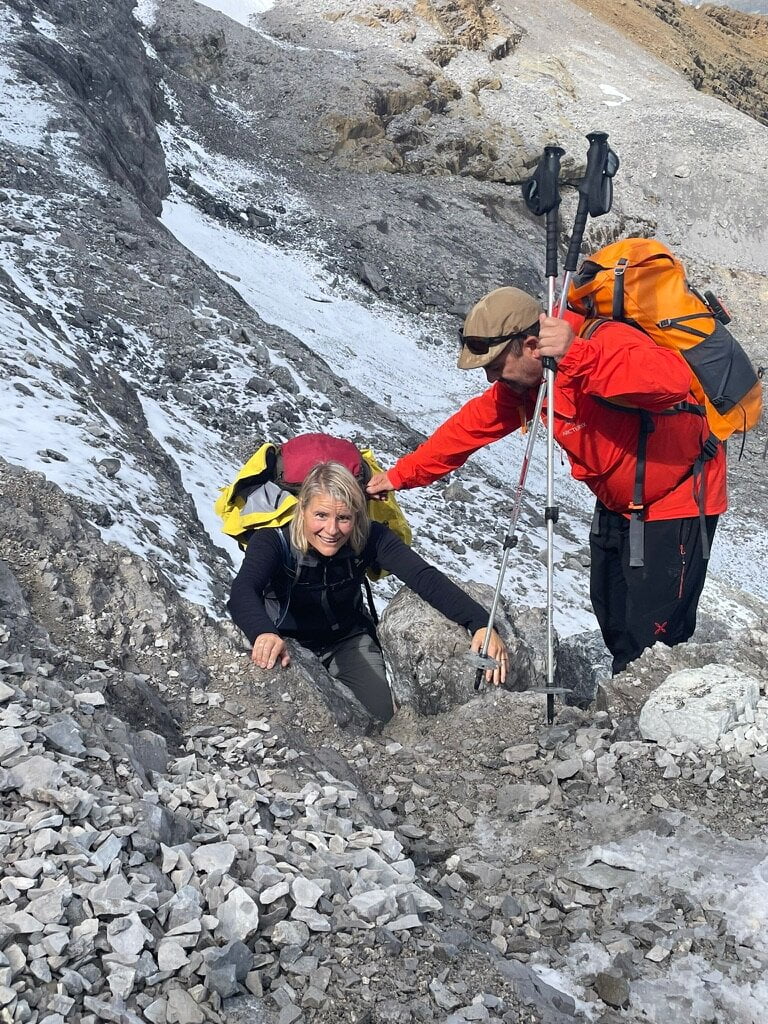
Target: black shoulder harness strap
[{"x": 637, "y": 507}]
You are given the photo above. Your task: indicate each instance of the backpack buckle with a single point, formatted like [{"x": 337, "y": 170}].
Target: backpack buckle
[{"x": 710, "y": 447}]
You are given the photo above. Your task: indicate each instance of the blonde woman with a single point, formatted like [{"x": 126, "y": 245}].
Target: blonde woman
[{"x": 304, "y": 582}]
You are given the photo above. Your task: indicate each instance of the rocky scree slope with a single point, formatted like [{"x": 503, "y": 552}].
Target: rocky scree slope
[
  {"x": 347, "y": 88},
  {"x": 187, "y": 839},
  {"x": 189, "y": 843}
]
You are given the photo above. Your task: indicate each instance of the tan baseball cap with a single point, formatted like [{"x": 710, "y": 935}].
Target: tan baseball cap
[{"x": 502, "y": 312}]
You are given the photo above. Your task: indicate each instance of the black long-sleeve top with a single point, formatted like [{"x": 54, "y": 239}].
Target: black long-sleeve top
[{"x": 317, "y": 599}]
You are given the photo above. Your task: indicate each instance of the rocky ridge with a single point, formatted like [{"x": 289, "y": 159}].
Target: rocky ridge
[{"x": 720, "y": 51}]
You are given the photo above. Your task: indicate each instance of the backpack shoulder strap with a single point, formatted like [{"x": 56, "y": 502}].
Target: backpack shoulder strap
[
  {"x": 369, "y": 599},
  {"x": 289, "y": 561},
  {"x": 290, "y": 567},
  {"x": 589, "y": 327}
]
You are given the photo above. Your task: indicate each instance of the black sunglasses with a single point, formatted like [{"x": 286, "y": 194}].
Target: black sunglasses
[{"x": 480, "y": 346}]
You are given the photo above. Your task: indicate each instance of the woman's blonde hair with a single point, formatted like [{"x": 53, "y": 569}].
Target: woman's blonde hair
[{"x": 334, "y": 481}]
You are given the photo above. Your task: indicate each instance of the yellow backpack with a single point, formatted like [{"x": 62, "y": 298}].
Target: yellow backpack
[{"x": 264, "y": 491}]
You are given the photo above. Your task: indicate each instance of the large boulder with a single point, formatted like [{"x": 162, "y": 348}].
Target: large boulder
[
  {"x": 318, "y": 698},
  {"x": 745, "y": 650},
  {"x": 583, "y": 663},
  {"x": 426, "y": 652},
  {"x": 698, "y": 705}
]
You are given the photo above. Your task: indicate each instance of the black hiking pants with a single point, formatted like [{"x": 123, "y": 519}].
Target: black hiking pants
[
  {"x": 638, "y": 606},
  {"x": 357, "y": 661}
]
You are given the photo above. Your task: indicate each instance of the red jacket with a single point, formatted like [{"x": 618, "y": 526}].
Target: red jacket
[{"x": 618, "y": 364}]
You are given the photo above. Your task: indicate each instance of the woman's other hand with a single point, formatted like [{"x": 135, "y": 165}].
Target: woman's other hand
[
  {"x": 379, "y": 486},
  {"x": 497, "y": 650},
  {"x": 268, "y": 648}
]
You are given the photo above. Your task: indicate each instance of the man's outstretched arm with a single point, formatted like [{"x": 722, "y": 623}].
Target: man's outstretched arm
[{"x": 487, "y": 418}]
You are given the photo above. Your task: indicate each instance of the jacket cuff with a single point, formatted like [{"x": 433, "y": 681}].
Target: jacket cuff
[{"x": 395, "y": 478}]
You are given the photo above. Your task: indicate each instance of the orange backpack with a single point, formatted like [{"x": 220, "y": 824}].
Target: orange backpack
[{"x": 640, "y": 282}]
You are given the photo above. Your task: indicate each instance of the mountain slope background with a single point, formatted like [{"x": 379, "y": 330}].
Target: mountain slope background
[
  {"x": 720, "y": 49},
  {"x": 226, "y": 222}
]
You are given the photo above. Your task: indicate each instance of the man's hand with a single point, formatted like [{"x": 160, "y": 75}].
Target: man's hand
[
  {"x": 378, "y": 486},
  {"x": 268, "y": 648},
  {"x": 555, "y": 337},
  {"x": 497, "y": 650}
]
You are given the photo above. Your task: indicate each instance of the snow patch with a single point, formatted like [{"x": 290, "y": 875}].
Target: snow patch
[
  {"x": 24, "y": 112},
  {"x": 45, "y": 28},
  {"x": 241, "y": 11},
  {"x": 145, "y": 12},
  {"x": 616, "y": 97}
]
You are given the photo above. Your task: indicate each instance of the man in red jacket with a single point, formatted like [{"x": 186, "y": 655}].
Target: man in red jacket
[{"x": 633, "y": 433}]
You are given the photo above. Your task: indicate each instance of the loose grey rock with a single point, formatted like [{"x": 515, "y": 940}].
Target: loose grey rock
[
  {"x": 305, "y": 892},
  {"x": 128, "y": 936},
  {"x": 600, "y": 876},
  {"x": 171, "y": 956},
  {"x": 181, "y": 1008},
  {"x": 109, "y": 467},
  {"x": 567, "y": 769},
  {"x": 290, "y": 933},
  {"x": 697, "y": 705},
  {"x": 36, "y": 775},
  {"x": 214, "y": 857},
  {"x": 238, "y": 916},
  {"x": 520, "y": 798},
  {"x": 612, "y": 988}
]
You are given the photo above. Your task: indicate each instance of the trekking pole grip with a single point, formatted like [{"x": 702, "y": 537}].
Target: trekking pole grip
[
  {"x": 541, "y": 191},
  {"x": 595, "y": 191}
]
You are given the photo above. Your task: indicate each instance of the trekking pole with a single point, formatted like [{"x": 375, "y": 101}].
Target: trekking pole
[
  {"x": 542, "y": 196},
  {"x": 546, "y": 201},
  {"x": 481, "y": 661},
  {"x": 595, "y": 199}
]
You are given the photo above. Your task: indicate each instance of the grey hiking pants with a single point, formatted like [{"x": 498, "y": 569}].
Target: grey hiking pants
[{"x": 357, "y": 661}]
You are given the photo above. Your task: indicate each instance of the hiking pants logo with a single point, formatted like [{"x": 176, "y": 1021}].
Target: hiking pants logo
[{"x": 660, "y": 628}]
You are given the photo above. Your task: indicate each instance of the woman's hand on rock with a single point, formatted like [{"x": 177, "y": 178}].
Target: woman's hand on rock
[
  {"x": 268, "y": 649},
  {"x": 497, "y": 650}
]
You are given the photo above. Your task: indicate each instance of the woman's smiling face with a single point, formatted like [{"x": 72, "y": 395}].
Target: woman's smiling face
[{"x": 327, "y": 524}]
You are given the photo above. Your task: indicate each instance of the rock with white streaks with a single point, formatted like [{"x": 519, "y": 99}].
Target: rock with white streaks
[{"x": 698, "y": 705}]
